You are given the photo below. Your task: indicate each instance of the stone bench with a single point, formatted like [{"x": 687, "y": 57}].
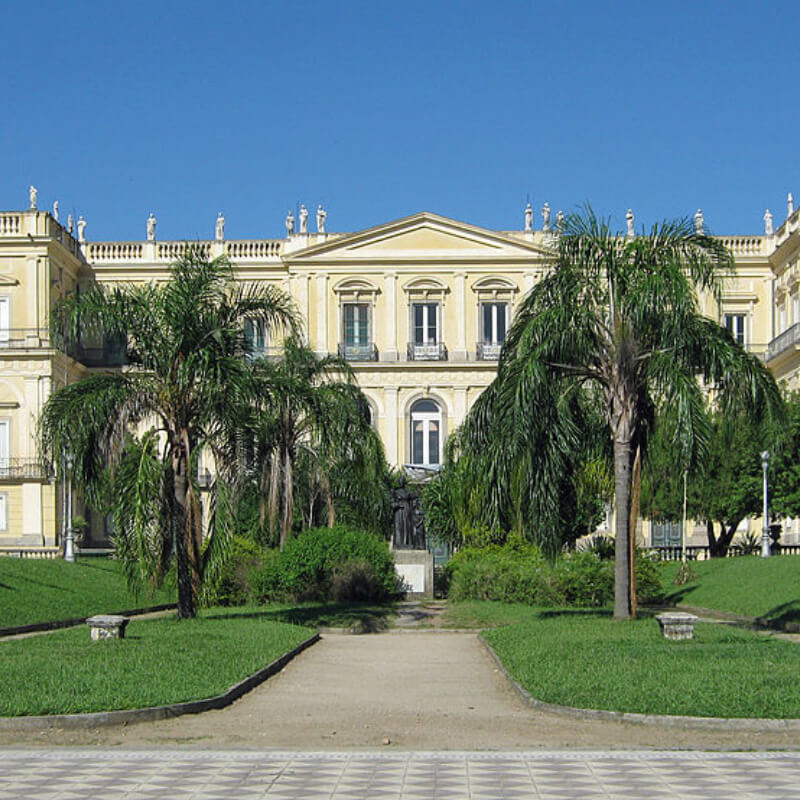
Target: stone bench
[
  {"x": 677, "y": 625},
  {"x": 107, "y": 626}
]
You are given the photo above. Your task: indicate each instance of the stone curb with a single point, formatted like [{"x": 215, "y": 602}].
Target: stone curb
[
  {"x": 71, "y": 623},
  {"x": 123, "y": 717},
  {"x": 710, "y": 723}
]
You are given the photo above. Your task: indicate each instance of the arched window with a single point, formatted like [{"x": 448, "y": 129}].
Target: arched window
[{"x": 426, "y": 433}]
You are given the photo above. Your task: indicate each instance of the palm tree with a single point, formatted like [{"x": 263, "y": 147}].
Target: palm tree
[
  {"x": 617, "y": 322},
  {"x": 310, "y": 412},
  {"x": 187, "y": 375}
]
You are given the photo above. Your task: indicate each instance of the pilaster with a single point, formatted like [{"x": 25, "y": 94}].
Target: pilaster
[
  {"x": 321, "y": 307},
  {"x": 460, "y": 352},
  {"x": 389, "y": 352},
  {"x": 391, "y": 426}
]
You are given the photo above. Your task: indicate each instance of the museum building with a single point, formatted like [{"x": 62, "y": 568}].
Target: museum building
[{"x": 419, "y": 306}]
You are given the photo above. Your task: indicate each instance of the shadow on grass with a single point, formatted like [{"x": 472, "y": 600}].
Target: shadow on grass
[
  {"x": 782, "y": 614},
  {"x": 367, "y": 618}
]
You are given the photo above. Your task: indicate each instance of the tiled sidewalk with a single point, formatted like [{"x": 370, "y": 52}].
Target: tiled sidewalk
[{"x": 245, "y": 775}]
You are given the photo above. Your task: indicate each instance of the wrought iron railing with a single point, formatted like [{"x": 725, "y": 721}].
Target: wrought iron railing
[
  {"x": 427, "y": 352},
  {"x": 16, "y": 469},
  {"x": 488, "y": 351},
  {"x": 358, "y": 352}
]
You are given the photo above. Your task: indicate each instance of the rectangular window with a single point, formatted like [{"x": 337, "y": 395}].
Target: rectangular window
[
  {"x": 735, "y": 325},
  {"x": 256, "y": 335},
  {"x": 5, "y": 321},
  {"x": 356, "y": 324},
  {"x": 5, "y": 461},
  {"x": 3, "y": 511},
  {"x": 426, "y": 323},
  {"x": 494, "y": 323}
]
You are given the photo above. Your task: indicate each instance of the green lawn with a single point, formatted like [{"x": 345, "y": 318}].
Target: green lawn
[
  {"x": 40, "y": 590},
  {"x": 747, "y": 585},
  {"x": 160, "y": 661},
  {"x": 588, "y": 660}
]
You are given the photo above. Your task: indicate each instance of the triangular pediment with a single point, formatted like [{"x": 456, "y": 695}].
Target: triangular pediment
[{"x": 422, "y": 237}]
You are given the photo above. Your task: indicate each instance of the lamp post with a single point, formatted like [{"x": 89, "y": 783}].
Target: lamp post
[
  {"x": 765, "y": 530},
  {"x": 69, "y": 543}
]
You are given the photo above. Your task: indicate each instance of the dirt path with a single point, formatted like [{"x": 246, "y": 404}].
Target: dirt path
[{"x": 420, "y": 690}]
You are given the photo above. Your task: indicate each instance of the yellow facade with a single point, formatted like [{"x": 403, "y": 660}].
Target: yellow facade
[{"x": 419, "y": 306}]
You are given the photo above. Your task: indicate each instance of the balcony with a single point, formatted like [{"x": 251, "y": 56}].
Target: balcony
[
  {"x": 358, "y": 352},
  {"x": 24, "y": 469},
  {"x": 427, "y": 352},
  {"x": 488, "y": 351},
  {"x": 784, "y": 341}
]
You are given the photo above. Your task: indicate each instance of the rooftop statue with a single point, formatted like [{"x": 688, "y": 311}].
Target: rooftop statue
[
  {"x": 699, "y": 223},
  {"x": 630, "y": 223},
  {"x": 33, "y": 194},
  {"x": 321, "y": 215},
  {"x": 303, "y": 219},
  {"x": 70, "y": 224},
  {"x": 560, "y": 222},
  {"x": 151, "y": 227},
  {"x": 768, "y": 229},
  {"x": 55, "y": 211},
  {"x": 546, "y": 217},
  {"x": 289, "y": 224},
  {"x": 81, "y": 229},
  {"x": 789, "y": 204},
  {"x": 219, "y": 230},
  {"x": 528, "y": 217}
]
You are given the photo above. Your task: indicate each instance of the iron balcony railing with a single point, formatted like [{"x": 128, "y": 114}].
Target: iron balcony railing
[
  {"x": 427, "y": 352},
  {"x": 784, "y": 341},
  {"x": 21, "y": 469},
  {"x": 488, "y": 351},
  {"x": 110, "y": 352},
  {"x": 358, "y": 352}
]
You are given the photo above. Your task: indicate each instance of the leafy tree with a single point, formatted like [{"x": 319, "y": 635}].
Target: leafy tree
[
  {"x": 616, "y": 318},
  {"x": 785, "y": 463},
  {"x": 187, "y": 375},
  {"x": 310, "y": 428}
]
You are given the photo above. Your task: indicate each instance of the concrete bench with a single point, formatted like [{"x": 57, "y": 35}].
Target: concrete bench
[
  {"x": 107, "y": 626},
  {"x": 677, "y": 625}
]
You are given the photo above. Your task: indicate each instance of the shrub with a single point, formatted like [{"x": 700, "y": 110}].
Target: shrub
[
  {"x": 521, "y": 574},
  {"x": 329, "y": 563},
  {"x": 232, "y": 586}
]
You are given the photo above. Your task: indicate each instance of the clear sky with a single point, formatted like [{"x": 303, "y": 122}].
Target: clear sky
[{"x": 379, "y": 110}]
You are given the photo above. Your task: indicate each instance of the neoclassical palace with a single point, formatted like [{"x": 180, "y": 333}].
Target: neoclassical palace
[{"x": 420, "y": 306}]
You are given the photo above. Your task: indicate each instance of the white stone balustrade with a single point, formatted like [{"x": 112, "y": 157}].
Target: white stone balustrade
[
  {"x": 105, "y": 252},
  {"x": 246, "y": 249},
  {"x": 746, "y": 245},
  {"x": 10, "y": 224}
]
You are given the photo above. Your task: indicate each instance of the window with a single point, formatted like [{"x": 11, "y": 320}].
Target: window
[
  {"x": 425, "y": 331},
  {"x": 666, "y": 534},
  {"x": 5, "y": 461},
  {"x": 735, "y": 325},
  {"x": 256, "y": 335},
  {"x": 493, "y": 329},
  {"x": 5, "y": 321},
  {"x": 426, "y": 433},
  {"x": 3, "y": 511},
  {"x": 356, "y": 321}
]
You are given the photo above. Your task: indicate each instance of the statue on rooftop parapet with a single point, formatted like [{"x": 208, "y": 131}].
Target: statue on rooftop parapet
[
  {"x": 303, "y": 219},
  {"x": 289, "y": 224},
  {"x": 630, "y": 224},
  {"x": 560, "y": 222},
  {"x": 321, "y": 216},
  {"x": 151, "y": 227},
  {"x": 55, "y": 211},
  {"x": 699, "y": 223},
  {"x": 768, "y": 229},
  {"x": 33, "y": 194},
  {"x": 546, "y": 217},
  {"x": 528, "y": 217},
  {"x": 789, "y": 204},
  {"x": 70, "y": 224},
  {"x": 219, "y": 229},
  {"x": 81, "y": 229}
]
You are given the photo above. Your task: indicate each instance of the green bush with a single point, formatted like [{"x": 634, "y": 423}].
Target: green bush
[
  {"x": 232, "y": 586},
  {"x": 521, "y": 574},
  {"x": 329, "y": 563}
]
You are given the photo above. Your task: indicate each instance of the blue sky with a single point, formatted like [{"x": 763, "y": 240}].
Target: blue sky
[{"x": 379, "y": 110}]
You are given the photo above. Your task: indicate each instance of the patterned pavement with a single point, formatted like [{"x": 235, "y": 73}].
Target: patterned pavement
[{"x": 246, "y": 775}]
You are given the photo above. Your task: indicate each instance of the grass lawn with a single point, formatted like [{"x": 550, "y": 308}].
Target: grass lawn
[
  {"x": 588, "y": 660},
  {"x": 160, "y": 661},
  {"x": 41, "y": 590},
  {"x": 486, "y": 614},
  {"x": 748, "y": 585}
]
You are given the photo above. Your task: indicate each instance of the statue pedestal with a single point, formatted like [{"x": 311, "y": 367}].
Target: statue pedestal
[{"x": 415, "y": 568}]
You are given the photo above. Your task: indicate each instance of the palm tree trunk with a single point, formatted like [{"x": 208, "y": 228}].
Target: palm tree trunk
[
  {"x": 288, "y": 497},
  {"x": 636, "y": 494},
  {"x": 622, "y": 533},
  {"x": 186, "y": 602},
  {"x": 326, "y": 493}
]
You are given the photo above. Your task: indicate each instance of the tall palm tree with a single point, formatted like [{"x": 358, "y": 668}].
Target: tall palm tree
[
  {"x": 186, "y": 375},
  {"x": 617, "y": 319},
  {"x": 309, "y": 410}
]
